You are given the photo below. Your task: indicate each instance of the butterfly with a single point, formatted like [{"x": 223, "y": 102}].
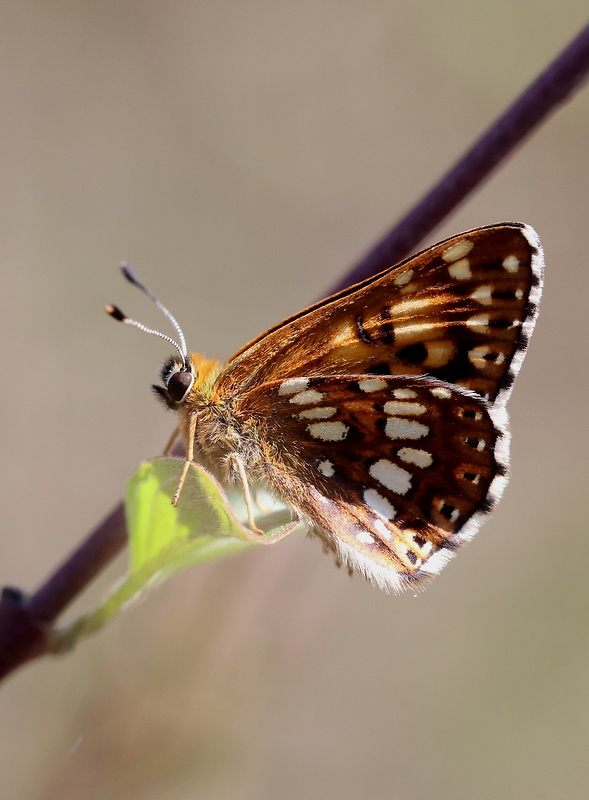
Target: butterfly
[{"x": 377, "y": 414}]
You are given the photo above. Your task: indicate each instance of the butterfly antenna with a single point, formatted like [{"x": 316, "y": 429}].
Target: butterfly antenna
[
  {"x": 130, "y": 275},
  {"x": 116, "y": 312}
]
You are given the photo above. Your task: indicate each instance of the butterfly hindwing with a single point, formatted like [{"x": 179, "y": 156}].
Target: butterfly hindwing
[{"x": 393, "y": 472}]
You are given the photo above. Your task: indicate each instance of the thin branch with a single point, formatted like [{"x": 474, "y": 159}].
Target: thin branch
[
  {"x": 105, "y": 542},
  {"x": 553, "y": 86},
  {"x": 25, "y": 623}
]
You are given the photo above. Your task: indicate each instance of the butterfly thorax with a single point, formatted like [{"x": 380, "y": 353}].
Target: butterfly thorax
[{"x": 221, "y": 431}]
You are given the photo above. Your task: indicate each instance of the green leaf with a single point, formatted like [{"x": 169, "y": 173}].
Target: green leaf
[{"x": 163, "y": 539}]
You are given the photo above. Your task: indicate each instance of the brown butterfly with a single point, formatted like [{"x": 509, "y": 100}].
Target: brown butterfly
[{"x": 379, "y": 413}]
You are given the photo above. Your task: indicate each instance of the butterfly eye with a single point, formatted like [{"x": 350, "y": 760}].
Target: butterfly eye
[{"x": 179, "y": 384}]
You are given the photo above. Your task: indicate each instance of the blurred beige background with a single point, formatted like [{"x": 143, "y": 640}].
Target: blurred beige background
[{"x": 241, "y": 155}]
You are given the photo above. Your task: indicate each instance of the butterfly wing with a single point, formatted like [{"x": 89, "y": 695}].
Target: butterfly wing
[
  {"x": 461, "y": 311},
  {"x": 393, "y": 472}
]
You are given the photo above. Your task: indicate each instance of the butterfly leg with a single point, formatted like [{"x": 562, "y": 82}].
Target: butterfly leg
[
  {"x": 189, "y": 456},
  {"x": 236, "y": 460},
  {"x": 257, "y": 534}
]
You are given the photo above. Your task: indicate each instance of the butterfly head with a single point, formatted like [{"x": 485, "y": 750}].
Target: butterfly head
[
  {"x": 178, "y": 380},
  {"x": 178, "y": 374}
]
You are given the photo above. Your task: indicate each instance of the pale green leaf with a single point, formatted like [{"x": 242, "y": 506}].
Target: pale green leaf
[{"x": 164, "y": 539}]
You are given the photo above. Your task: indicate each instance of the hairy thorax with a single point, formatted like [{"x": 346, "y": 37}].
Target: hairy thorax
[{"x": 221, "y": 432}]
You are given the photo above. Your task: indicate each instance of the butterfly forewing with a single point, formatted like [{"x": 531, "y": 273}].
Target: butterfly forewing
[
  {"x": 460, "y": 311},
  {"x": 393, "y": 472}
]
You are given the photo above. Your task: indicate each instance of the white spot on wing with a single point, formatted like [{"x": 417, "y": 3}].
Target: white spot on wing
[
  {"x": 372, "y": 385},
  {"x": 439, "y": 353},
  {"x": 307, "y": 397},
  {"x": 324, "y": 412},
  {"x": 479, "y": 322},
  {"x": 293, "y": 385},
  {"x": 395, "y": 478},
  {"x": 427, "y": 548},
  {"x": 511, "y": 263},
  {"x": 399, "y": 428},
  {"x": 380, "y": 504},
  {"x": 403, "y": 278},
  {"x": 414, "y": 330},
  {"x": 483, "y": 295},
  {"x": 410, "y": 409},
  {"x": 460, "y": 269},
  {"x": 326, "y": 468},
  {"x": 364, "y": 536},
  {"x": 420, "y": 458},
  {"x": 328, "y": 431},
  {"x": 411, "y": 305},
  {"x": 381, "y": 528},
  {"x": 441, "y": 392},
  {"x": 436, "y": 562},
  {"x": 404, "y": 394},
  {"x": 458, "y": 250}
]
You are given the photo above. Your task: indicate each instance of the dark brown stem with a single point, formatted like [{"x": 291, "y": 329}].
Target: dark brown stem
[
  {"x": 25, "y": 623},
  {"x": 105, "y": 542}
]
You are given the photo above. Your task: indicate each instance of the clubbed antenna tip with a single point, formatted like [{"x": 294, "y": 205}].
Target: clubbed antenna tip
[
  {"x": 115, "y": 311},
  {"x": 131, "y": 276}
]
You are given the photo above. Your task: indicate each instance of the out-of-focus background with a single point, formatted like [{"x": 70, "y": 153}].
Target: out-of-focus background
[{"x": 241, "y": 156}]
